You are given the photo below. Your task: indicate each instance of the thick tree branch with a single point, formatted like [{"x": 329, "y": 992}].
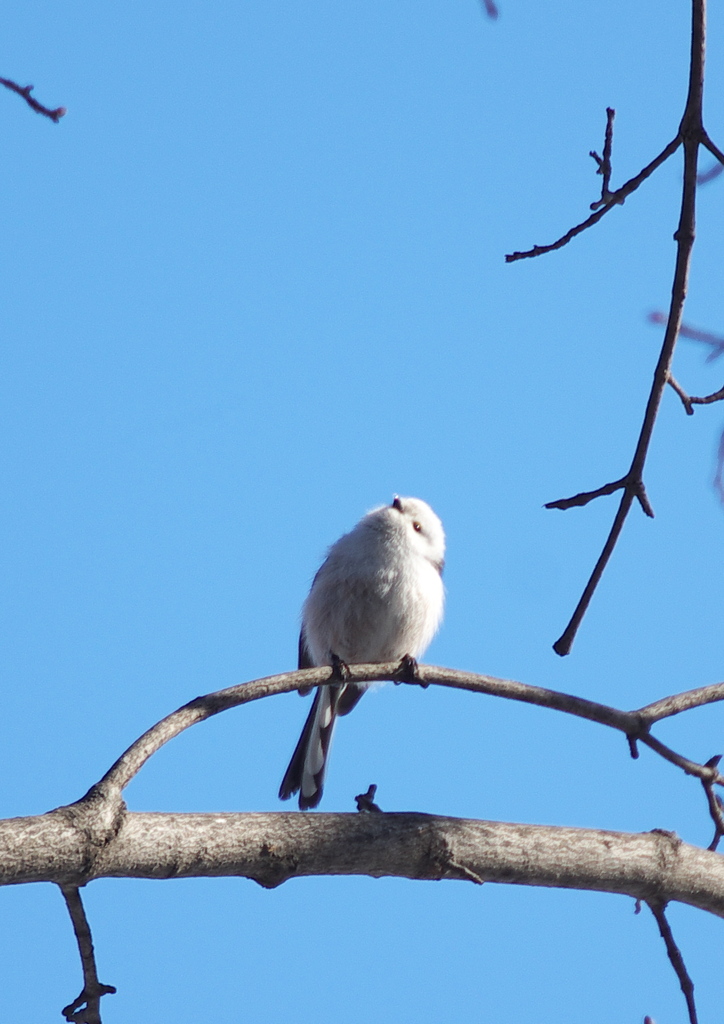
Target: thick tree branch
[
  {"x": 86, "y": 1009},
  {"x": 271, "y": 848}
]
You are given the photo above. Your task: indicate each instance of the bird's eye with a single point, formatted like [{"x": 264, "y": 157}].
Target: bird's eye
[{"x": 416, "y": 527}]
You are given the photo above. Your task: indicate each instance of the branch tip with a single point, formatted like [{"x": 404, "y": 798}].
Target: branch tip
[
  {"x": 675, "y": 958},
  {"x": 25, "y": 91}
]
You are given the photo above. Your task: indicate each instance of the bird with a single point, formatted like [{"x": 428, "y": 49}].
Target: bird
[{"x": 378, "y": 596}]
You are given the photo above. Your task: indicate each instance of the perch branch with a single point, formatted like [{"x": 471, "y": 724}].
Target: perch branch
[{"x": 635, "y": 725}]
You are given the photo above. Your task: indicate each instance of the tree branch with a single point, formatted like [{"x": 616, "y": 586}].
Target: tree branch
[
  {"x": 106, "y": 794},
  {"x": 677, "y": 961},
  {"x": 604, "y": 162},
  {"x": 691, "y": 134},
  {"x": 25, "y": 91},
  {"x": 272, "y": 848},
  {"x": 86, "y": 1009},
  {"x": 679, "y": 702},
  {"x": 713, "y": 149},
  {"x": 717, "y": 396},
  {"x": 686, "y": 400},
  {"x": 614, "y": 199}
]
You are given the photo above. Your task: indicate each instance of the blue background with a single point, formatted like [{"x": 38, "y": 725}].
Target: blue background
[{"x": 252, "y": 285}]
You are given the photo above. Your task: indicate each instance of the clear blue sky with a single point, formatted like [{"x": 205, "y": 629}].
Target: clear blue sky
[{"x": 252, "y": 285}]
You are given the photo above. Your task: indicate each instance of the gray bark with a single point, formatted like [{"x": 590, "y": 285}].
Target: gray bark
[{"x": 74, "y": 845}]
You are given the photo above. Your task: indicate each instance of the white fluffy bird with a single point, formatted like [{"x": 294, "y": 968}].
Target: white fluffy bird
[{"x": 378, "y": 596}]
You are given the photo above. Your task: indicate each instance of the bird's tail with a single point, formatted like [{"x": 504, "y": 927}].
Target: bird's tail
[{"x": 308, "y": 766}]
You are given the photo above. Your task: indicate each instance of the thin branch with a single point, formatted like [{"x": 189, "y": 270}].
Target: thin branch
[
  {"x": 86, "y": 1009},
  {"x": 201, "y": 708},
  {"x": 104, "y": 798},
  {"x": 704, "y": 772},
  {"x": 717, "y": 396},
  {"x": 490, "y": 9},
  {"x": 615, "y": 199},
  {"x": 25, "y": 91},
  {"x": 713, "y": 149},
  {"x": 686, "y": 400},
  {"x": 690, "y": 134},
  {"x": 563, "y": 644},
  {"x": 604, "y": 162},
  {"x": 584, "y": 497},
  {"x": 677, "y": 703},
  {"x": 677, "y": 961}
]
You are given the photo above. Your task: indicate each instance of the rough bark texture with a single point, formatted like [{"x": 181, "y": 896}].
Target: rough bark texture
[{"x": 271, "y": 848}]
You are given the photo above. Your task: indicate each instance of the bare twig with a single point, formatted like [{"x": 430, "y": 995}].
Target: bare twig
[
  {"x": 25, "y": 91},
  {"x": 686, "y": 400},
  {"x": 677, "y": 703},
  {"x": 604, "y": 162},
  {"x": 703, "y": 772},
  {"x": 584, "y": 497},
  {"x": 677, "y": 961},
  {"x": 712, "y": 147},
  {"x": 615, "y": 199},
  {"x": 490, "y": 8},
  {"x": 691, "y": 134},
  {"x": 717, "y": 396},
  {"x": 639, "y": 492},
  {"x": 366, "y": 801},
  {"x": 86, "y": 1009}
]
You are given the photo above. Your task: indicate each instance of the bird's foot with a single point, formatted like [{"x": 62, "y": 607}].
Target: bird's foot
[
  {"x": 408, "y": 672},
  {"x": 340, "y": 669}
]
